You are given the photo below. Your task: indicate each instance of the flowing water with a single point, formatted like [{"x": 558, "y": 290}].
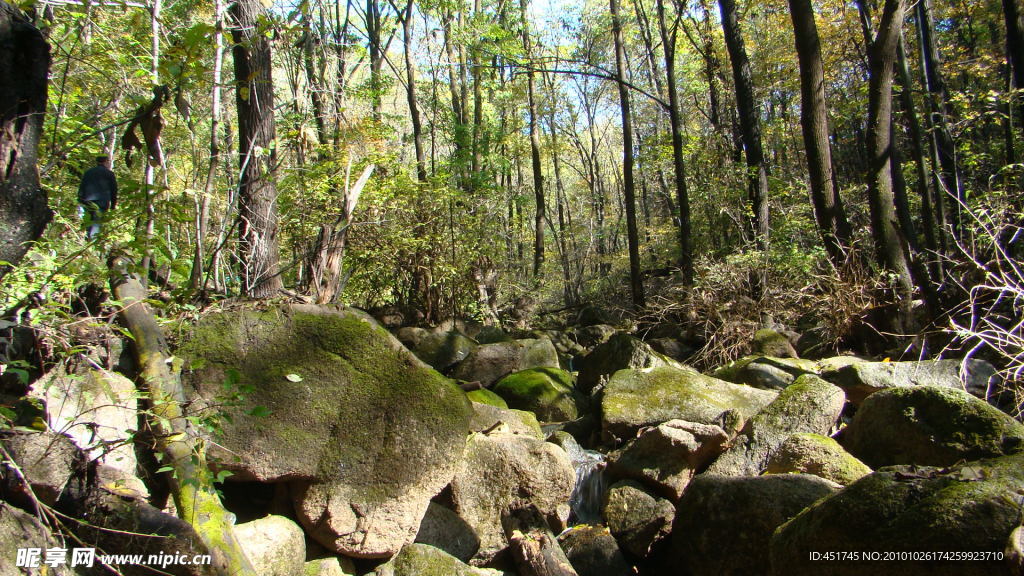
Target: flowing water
[{"x": 588, "y": 494}]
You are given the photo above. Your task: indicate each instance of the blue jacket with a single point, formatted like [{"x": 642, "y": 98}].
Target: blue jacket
[{"x": 98, "y": 186}]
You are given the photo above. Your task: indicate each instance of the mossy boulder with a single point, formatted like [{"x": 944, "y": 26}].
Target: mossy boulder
[
  {"x": 593, "y": 551},
  {"x": 485, "y": 396},
  {"x": 634, "y": 399},
  {"x": 487, "y": 419},
  {"x": 489, "y": 363},
  {"x": 637, "y": 517},
  {"x": 275, "y": 545},
  {"x": 547, "y": 392},
  {"x": 442, "y": 528},
  {"x": 861, "y": 379},
  {"x": 766, "y": 372},
  {"x": 501, "y": 473},
  {"x": 809, "y": 405},
  {"x": 328, "y": 400},
  {"x": 620, "y": 352},
  {"x": 929, "y": 426},
  {"x": 424, "y": 560},
  {"x": 724, "y": 525},
  {"x": 819, "y": 455},
  {"x": 19, "y": 529},
  {"x": 327, "y": 567},
  {"x": 969, "y": 507},
  {"x": 594, "y": 335},
  {"x": 768, "y": 342},
  {"x": 442, "y": 350}
]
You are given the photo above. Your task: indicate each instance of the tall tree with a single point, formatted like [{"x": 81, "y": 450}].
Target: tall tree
[
  {"x": 884, "y": 226},
  {"x": 24, "y": 69},
  {"x": 629, "y": 187},
  {"x": 750, "y": 123},
  {"x": 828, "y": 206},
  {"x": 668, "y": 43},
  {"x": 538, "y": 168},
  {"x": 405, "y": 16},
  {"x": 258, "y": 251},
  {"x": 1013, "y": 13}
]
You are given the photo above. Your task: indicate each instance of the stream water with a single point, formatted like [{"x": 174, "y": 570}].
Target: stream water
[{"x": 588, "y": 495}]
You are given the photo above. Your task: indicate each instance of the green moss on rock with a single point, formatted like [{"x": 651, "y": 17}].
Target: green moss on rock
[
  {"x": 485, "y": 396},
  {"x": 818, "y": 455},
  {"x": 547, "y": 392},
  {"x": 423, "y": 560}
]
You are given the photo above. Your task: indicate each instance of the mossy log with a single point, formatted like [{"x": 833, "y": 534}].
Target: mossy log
[
  {"x": 534, "y": 548},
  {"x": 192, "y": 485}
]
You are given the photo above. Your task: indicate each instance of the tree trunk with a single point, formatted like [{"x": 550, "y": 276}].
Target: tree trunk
[
  {"x": 1014, "y": 14},
  {"x": 410, "y": 78},
  {"x": 828, "y": 206},
  {"x": 668, "y": 43},
  {"x": 257, "y": 192},
  {"x": 534, "y": 548},
  {"x": 750, "y": 124},
  {"x": 24, "y": 70},
  {"x": 192, "y": 483},
  {"x": 538, "y": 168},
  {"x": 326, "y": 277},
  {"x": 628, "y": 187},
  {"x": 884, "y": 226}
]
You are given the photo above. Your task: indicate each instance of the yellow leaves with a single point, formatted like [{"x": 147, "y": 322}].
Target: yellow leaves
[{"x": 243, "y": 93}]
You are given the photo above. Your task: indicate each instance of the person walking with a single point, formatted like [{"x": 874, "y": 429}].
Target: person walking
[{"x": 97, "y": 194}]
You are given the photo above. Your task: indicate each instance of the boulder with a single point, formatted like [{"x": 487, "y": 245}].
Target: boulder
[
  {"x": 47, "y": 461},
  {"x": 636, "y": 517},
  {"x": 593, "y": 551},
  {"x": 485, "y": 396},
  {"x": 442, "y": 350},
  {"x": 765, "y": 372},
  {"x": 503, "y": 472},
  {"x": 98, "y": 410},
  {"x": 671, "y": 348},
  {"x": 768, "y": 342},
  {"x": 818, "y": 455},
  {"x": 489, "y": 363},
  {"x": 20, "y": 530},
  {"x": 411, "y": 336},
  {"x": 637, "y": 398},
  {"x": 275, "y": 545},
  {"x": 594, "y": 335},
  {"x": 547, "y": 392},
  {"x": 965, "y": 508},
  {"x": 620, "y": 352},
  {"x": 492, "y": 335},
  {"x": 326, "y": 567},
  {"x": 423, "y": 560},
  {"x": 861, "y": 379},
  {"x": 724, "y": 525},
  {"x": 327, "y": 400},
  {"x": 491, "y": 419},
  {"x": 929, "y": 426},
  {"x": 809, "y": 405},
  {"x": 445, "y": 530},
  {"x": 667, "y": 456}
]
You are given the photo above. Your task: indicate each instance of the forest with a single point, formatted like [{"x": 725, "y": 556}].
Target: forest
[{"x": 782, "y": 196}]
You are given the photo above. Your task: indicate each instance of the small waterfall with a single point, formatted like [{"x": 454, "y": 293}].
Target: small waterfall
[{"x": 588, "y": 495}]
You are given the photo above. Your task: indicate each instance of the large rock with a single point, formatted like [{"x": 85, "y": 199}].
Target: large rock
[
  {"x": 724, "y": 525},
  {"x": 809, "y": 405},
  {"x": 489, "y": 363},
  {"x": 594, "y": 335},
  {"x": 593, "y": 551},
  {"x": 818, "y": 455},
  {"x": 489, "y": 419},
  {"x": 501, "y": 473},
  {"x": 929, "y": 426},
  {"x": 423, "y": 560},
  {"x": 326, "y": 567},
  {"x": 765, "y": 372},
  {"x": 861, "y": 379},
  {"x": 275, "y": 545},
  {"x": 547, "y": 392},
  {"x": 908, "y": 509},
  {"x": 20, "y": 530},
  {"x": 637, "y": 398},
  {"x": 328, "y": 400},
  {"x": 485, "y": 396},
  {"x": 47, "y": 461},
  {"x": 667, "y": 456},
  {"x": 768, "y": 342},
  {"x": 445, "y": 530},
  {"x": 442, "y": 350},
  {"x": 620, "y": 352},
  {"x": 637, "y": 518},
  {"x": 98, "y": 410}
]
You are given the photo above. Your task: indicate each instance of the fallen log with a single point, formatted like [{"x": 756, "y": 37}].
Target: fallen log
[
  {"x": 192, "y": 483},
  {"x": 534, "y": 548}
]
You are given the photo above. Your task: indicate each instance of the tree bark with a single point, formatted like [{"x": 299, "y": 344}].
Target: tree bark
[
  {"x": 258, "y": 251},
  {"x": 628, "y": 186},
  {"x": 538, "y": 168},
  {"x": 828, "y": 206},
  {"x": 1014, "y": 13},
  {"x": 534, "y": 548},
  {"x": 24, "y": 70},
  {"x": 750, "y": 124},
  {"x": 192, "y": 483},
  {"x": 410, "y": 79},
  {"x": 884, "y": 226},
  {"x": 668, "y": 43}
]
